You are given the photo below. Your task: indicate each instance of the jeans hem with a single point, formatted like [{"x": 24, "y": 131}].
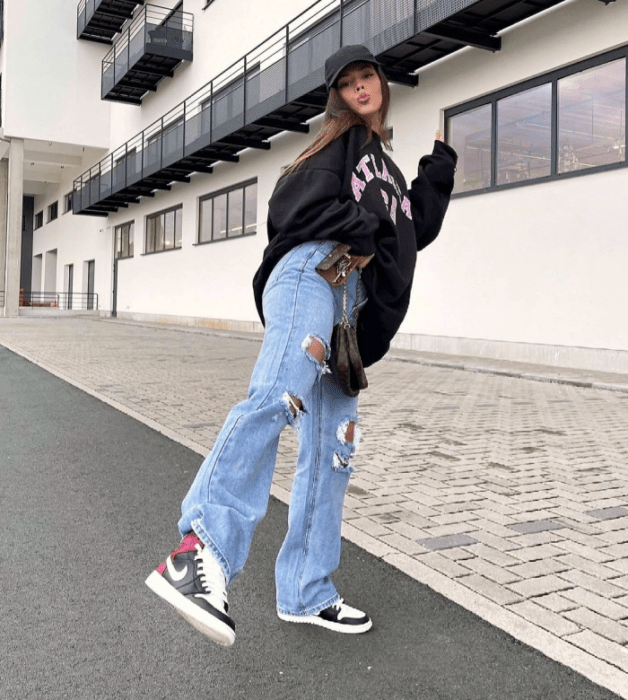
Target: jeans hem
[
  {"x": 312, "y": 611},
  {"x": 203, "y": 535}
]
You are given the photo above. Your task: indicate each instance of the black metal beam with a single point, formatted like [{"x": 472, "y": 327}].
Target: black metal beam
[
  {"x": 398, "y": 76},
  {"x": 104, "y": 208},
  {"x": 109, "y": 12},
  {"x": 166, "y": 73},
  {"x": 147, "y": 190},
  {"x": 467, "y": 37},
  {"x": 97, "y": 39},
  {"x": 166, "y": 177},
  {"x": 127, "y": 100},
  {"x": 95, "y": 24},
  {"x": 191, "y": 165},
  {"x": 87, "y": 212},
  {"x": 283, "y": 124},
  {"x": 133, "y": 85},
  {"x": 245, "y": 142},
  {"x": 220, "y": 155},
  {"x": 122, "y": 199}
]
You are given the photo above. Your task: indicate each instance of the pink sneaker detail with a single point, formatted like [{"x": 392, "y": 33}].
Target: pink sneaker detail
[{"x": 188, "y": 544}]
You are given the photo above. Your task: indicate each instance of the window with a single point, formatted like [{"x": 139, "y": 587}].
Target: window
[
  {"x": 67, "y": 203},
  {"x": 524, "y": 135},
  {"x": 163, "y": 230},
  {"x": 470, "y": 135},
  {"x": 565, "y": 123},
  {"x": 124, "y": 240},
  {"x": 229, "y": 213},
  {"x": 592, "y": 117},
  {"x": 53, "y": 211},
  {"x": 39, "y": 220}
]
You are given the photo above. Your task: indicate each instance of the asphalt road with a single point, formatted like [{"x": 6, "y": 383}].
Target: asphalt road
[{"x": 89, "y": 500}]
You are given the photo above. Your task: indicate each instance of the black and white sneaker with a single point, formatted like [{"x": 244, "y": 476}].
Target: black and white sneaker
[
  {"x": 193, "y": 582},
  {"x": 339, "y": 618}
]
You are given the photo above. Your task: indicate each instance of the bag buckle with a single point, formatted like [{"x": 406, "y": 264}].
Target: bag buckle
[{"x": 343, "y": 267}]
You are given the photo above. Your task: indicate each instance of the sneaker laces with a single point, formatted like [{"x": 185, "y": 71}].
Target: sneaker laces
[
  {"x": 345, "y": 610},
  {"x": 212, "y": 577}
]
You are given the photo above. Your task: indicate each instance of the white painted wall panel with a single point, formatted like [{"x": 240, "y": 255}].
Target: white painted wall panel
[
  {"x": 536, "y": 264},
  {"x": 51, "y": 81}
]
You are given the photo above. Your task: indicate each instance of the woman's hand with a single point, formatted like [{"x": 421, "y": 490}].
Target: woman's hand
[{"x": 438, "y": 136}]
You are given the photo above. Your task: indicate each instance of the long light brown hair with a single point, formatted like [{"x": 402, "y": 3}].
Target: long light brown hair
[{"x": 339, "y": 117}]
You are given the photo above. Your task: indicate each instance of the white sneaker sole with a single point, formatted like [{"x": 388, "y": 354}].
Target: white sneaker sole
[
  {"x": 203, "y": 621},
  {"x": 320, "y": 622}
]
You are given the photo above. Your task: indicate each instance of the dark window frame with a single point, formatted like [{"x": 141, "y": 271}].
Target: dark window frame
[
  {"x": 551, "y": 77},
  {"x": 67, "y": 202},
  {"x": 217, "y": 193},
  {"x": 39, "y": 220},
  {"x": 53, "y": 211},
  {"x": 131, "y": 230},
  {"x": 163, "y": 212}
]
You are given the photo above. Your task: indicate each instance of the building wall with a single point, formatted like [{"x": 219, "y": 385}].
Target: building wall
[
  {"x": 76, "y": 239},
  {"x": 517, "y": 273},
  {"x": 51, "y": 81},
  {"x": 538, "y": 264}
]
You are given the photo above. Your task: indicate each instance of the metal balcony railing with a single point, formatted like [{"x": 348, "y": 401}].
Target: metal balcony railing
[
  {"x": 148, "y": 50},
  {"x": 66, "y": 301},
  {"x": 101, "y": 20},
  {"x": 278, "y": 86}
]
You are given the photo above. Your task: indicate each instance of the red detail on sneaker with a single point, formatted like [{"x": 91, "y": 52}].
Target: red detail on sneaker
[{"x": 188, "y": 544}]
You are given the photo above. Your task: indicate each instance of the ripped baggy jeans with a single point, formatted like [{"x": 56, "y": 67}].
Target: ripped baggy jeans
[{"x": 289, "y": 385}]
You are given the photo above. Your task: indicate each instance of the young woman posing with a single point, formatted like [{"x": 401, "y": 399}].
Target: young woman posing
[{"x": 343, "y": 189}]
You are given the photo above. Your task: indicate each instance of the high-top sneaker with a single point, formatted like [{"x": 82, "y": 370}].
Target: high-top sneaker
[{"x": 193, "y": 582}]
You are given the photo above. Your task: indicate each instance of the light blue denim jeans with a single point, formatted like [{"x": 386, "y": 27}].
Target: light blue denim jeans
[{"x": 230, "y": 493}]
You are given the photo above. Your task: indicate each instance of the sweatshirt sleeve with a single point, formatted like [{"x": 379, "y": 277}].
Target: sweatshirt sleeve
[
  {"x": 305, "y": 206},
  {"x": 430, "y": 192}
]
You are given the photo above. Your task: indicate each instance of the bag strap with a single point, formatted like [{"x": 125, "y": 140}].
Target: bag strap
[{"x": 346, "y": 319}]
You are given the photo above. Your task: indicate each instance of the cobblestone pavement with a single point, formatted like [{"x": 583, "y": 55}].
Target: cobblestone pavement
[{"x": 506, "y": 495}]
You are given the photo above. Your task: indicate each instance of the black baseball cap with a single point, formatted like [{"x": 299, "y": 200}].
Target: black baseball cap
[{"x": 338, "y": 61}]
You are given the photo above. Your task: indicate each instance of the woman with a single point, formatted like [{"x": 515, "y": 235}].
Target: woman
[{"x": 343, "y": 189}]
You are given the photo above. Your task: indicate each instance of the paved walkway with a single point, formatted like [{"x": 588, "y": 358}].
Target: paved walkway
[{"x": 508, "y": 496}]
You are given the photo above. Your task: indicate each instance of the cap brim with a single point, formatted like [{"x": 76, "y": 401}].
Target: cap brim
[{"x": 340, "y": 71}]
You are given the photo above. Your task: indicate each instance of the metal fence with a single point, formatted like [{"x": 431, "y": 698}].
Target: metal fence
[
  {"x": 85, "y": 11},
  {"x": 68, "y": 301},
  {"x": 1, "y": 298},
  {"x": 284, "y": 67},
  {"x": 153, "y": 30}
]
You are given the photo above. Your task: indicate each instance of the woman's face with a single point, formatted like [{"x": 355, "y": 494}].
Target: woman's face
[{"x": 360, "y": 88}]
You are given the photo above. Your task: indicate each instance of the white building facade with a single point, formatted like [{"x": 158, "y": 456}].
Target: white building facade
[{"x": 151, "y": 203}]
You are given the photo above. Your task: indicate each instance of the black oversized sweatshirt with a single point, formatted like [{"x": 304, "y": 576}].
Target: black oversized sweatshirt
[{"x": 354, "y": 193}]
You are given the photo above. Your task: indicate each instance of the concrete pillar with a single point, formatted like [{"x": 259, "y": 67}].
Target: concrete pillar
[
  {"x": 14, "y": 228},
  {"x": 4, "y": 190}
]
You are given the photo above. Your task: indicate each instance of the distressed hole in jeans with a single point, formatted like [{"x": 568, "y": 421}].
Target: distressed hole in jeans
[
  {"x": 349, "y": 433},
  {"x": 294, "y": 405},
  {"x": 317, "y": 351},
  {"x": 342, "y": 463}
]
